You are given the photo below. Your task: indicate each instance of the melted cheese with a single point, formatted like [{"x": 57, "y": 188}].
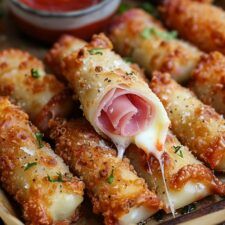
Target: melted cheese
[
  {"x": 189, "y": 193},
  {"x": 136, "y": 215},
  {"x": 64, "y": 205},
  {"x": 152, "y": 139}
]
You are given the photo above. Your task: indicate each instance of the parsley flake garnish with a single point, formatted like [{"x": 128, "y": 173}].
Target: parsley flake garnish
[
  {"x": 35, "y": 73},
  {"x": 146, "y": 33},
  {"x": 149, "y": 8},
  {"x": 95, "y": 51},
  {"x": 111, "y": 177},
  {"x": 149, "y": 32},
  {"x": 59, "y": 178},
  {"x": 123, "y": 8},
  {"x": 29, "y": 165},
  {"x": 39, "y": 136},
  {"x": 188, "y": 208},
  {"x": 128, "y": 59},
  {"x": 178, "y": 151}
]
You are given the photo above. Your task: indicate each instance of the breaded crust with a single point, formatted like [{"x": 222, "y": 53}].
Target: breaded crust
[
  {"x": 200, "y": 23},
  {"x": 62, "y": 48},
  {"x": 95, "y": 161},
  {"x": 32, "y": 173},
  {"x": 208, "y": 81},
  {"x": 139, "y": 36},
  {"x": 196, "y": 125},
  {"x": 24, "y": 80}
]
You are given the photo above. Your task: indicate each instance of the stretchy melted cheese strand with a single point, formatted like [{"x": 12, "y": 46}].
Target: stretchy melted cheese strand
[
  {"x": 138, "y": 35},
  {"x": 202, "y": 24},
  {"x": 62, "y": 48},
  {"x": 208, "y": 81},
  {"x": 7, "y": 213},
  {"x": 23, "y": 76},
  {"x": 112, "y": 184},
  {"x": 196, "y": 125},
  {"x": 188, "y": 180},
  {"x": 32, "y": 173},
  {"x": 115, "y": 98}
]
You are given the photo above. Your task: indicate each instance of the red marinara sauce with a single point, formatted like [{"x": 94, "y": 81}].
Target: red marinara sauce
[
  {"x": 47, "y": 20},
  {"x": 60, "y": 5}
]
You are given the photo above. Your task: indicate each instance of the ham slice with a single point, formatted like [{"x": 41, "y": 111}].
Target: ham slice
[{"x": 123, "y": 113}]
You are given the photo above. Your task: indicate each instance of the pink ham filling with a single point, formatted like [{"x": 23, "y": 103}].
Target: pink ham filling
[{"x": 123, "y": 113}]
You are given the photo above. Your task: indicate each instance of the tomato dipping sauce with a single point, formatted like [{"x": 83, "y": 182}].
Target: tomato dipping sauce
[
  {"x": 47, "y": 20},
  {"x": 60, "y": 5}
]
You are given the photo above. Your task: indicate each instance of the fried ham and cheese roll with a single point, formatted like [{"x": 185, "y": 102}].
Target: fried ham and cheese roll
[
  {"x": 7, "y": 213},
  {"x": 187, "y": 179},
  {"x": 208, "y": 81},
  {"x": 23, "y": 76},
  {"x": 33, "y": 174},
  {"x": 112, "y": 184},
  {"x": 200, "y": 23},
  {"x": 115, "y": 98},
  {"x": 196, "y": 125},
  {"x": 139, "y": 36}
]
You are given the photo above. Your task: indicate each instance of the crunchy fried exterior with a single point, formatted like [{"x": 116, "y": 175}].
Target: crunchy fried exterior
[
  {"x": 181, "y": 169},
  {"x": 32, "y": 173},
  {"x": 200, "y": 23},
  {"x": 208, "y": 81},
  {"x": 22, "y": 77},
  {"x": 155, "y": 51},
  {"x": 62, "y": 48},
  {"x": 111, "y": 183},
  {"x": 197, "y": 125},
  {"x": 65, "y": 46},
  {"x": 94, "y": 71}
]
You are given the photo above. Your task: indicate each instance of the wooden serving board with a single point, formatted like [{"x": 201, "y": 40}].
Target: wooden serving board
[{"x": 208, "y": 211}]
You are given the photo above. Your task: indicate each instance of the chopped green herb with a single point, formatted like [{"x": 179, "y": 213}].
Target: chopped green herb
[
  {"x": 128, "y": 59},
  {"x": 39, "y": 136},
  {"x": 29, "y": 165},
  {"x": 188, "y": 208},
  {"x": 111, "y": 177},
  {"x": 169, "y": 35},
  {"x": 95, "y": 51},
  {"x": 178, "y": 151},
  {"x": 59, "y": 178},
  {"x": 151, "y": 9},
  {"x": 146, "y": 33},
  {"x": 149, "y": 32},
  {"x": 35, "y": 73},
  {"x": 159, "y": 215},
  {"x": 123, "y": 8}
]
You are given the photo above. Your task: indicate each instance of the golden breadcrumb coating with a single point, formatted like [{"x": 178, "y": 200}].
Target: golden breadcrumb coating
[
  {"x": 208, "y": 81},
  {"x": 200, "y": 23},
  {"x": 182, "y": 172},
  {"x": 139, "y": 36},
  {"x": 62, "y": 48},
  {"x": 32, "y": 173},
  {"x": 197, "y": 125},
  {"x": 111, "y": 183},
  {"x": 23, "y": 79},
  {"x": 65, "y": 46}
]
